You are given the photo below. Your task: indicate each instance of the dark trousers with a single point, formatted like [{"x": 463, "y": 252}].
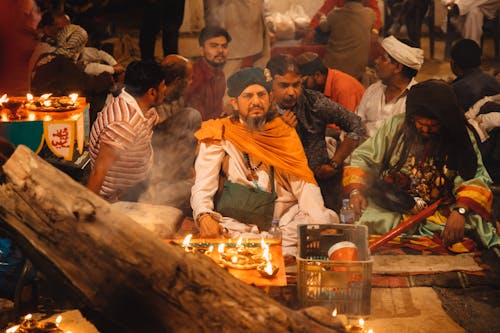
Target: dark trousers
[{"x": 164, "y": 15}]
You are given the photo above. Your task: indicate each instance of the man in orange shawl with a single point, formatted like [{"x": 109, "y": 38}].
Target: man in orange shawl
[{"x": 258, "y": 152}]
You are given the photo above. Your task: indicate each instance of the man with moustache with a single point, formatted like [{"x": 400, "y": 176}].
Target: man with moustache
[
  {"x": 310, "y": 112},
  {"x": 426, "y": 153},
  {"x": 396, "y": 68},
  {"x": 174, "y": 144},
  {"x": 120, "y": 140},
  {"x": 209, "y": 83},
  {"x": 263, "y": 165}
]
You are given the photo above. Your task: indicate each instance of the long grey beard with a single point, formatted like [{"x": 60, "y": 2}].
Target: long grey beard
[{"x": 255, "y": 124}]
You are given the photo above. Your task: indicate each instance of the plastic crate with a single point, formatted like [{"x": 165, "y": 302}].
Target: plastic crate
[{"x": 344, "y": 285}]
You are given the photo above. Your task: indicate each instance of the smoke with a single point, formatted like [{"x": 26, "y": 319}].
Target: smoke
[{"x": 172, "y": 174}]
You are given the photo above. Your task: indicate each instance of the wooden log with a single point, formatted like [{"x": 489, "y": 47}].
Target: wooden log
[{"x": 122, "y": 270}]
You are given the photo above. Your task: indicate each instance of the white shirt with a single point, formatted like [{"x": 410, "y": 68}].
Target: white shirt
[{"x": 373, "y": 109}]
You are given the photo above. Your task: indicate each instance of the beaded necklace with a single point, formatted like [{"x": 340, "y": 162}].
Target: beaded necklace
[{"x": 253, "y": 169}]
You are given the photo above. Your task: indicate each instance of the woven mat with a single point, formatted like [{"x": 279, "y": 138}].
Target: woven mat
[
  {"x": 424, "y": 264},
  {"x": 410, "y": 310}
]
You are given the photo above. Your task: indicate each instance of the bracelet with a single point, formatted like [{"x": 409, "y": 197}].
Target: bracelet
[{"x": 354, "y": 192}]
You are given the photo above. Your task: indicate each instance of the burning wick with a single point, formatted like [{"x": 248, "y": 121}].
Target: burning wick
[
  {"x": 47, "y": 102},
  {"x": 3, "y": 99},
  {"x": 185, "y": 242},
  {"x": 340, "y": 317},
  {"x": 220, "y": 248},
  {"x": 45, "y": 96},
  {"x": 12, "y": 329},
  {"x": 29, "y": 97},
  {"x": 58, "y": 320},
  {"x": 31, "y": 116},
  {"x": 73, "y": 98},
  {"x": 269, "y": 268},
  {"x": 210, "y": 250}
]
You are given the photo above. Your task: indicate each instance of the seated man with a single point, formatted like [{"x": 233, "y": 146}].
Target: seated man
[
  {"x": 429, "y": 154},
  {"x": 174, "y": 144},
  {"x": 120, "y": 140},
  {"x": 260, "y": 156},
  {"x": 338, "y": 86},
  {"x": 310, "y": 112},
  {"x": 471, "y": 83},
  {"x": 396, "y": 68},
  {"x": 469, "y": 15}
]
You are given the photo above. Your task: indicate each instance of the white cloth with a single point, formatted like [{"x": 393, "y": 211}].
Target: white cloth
[
  {"x": 373, "y": 109},
  {"x": 483, "y": 123},
  {"x": 97, "y": 61},
  {"x": 472, "y": 13},
  {"x": 412, "y": 57},
  {"x": 292, "y": 192}
]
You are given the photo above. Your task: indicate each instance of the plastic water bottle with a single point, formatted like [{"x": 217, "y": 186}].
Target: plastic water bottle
[
  {"x": 275, "y": 231},
  {"x": 347, "y": 215}
]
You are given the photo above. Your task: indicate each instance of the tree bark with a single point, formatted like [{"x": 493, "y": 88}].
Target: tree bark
[{"x": 122, "y": 270}]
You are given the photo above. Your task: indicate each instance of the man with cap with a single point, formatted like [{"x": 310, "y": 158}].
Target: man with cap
[
  {"x": 423, "y": 155},
  {"x": 396, "y": 68},
  {"x": 310, "y": 112},
  {"x": 338, "y": 86},
  {"x": 262, "y": 165}
]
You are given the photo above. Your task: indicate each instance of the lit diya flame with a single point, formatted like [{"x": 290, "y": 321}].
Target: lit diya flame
[
  {"x": 31, "y": 116},
  {"x": 28, "y": 316},
  {"x": 12, "y": 329},
  {"x": 29, "y": 97},
  {"x": 210, "y": 250},
  {"x": 187, "y": 240},
  {"x": 5, "y": 117},
  {"x": 47, "y": 102},
  {"x": 239, "y": 242},
  {"x": 73, "y": 97},
  {"x": 3, "y": 99},
  {"x": 370, "y": 331},
  {"x": 265, "y": 252},
  {"x": 45, "y": 96},
  {"x": 361, "y": 322},
  {"x": 220, "y": 248},
  {"x": 47, "y": 118},
  {"x": 58, "y": 320},
  {"x": 234, "y": 259},
  {"x": 269, "y": 268},
  {"x": 334, "y": 312}
]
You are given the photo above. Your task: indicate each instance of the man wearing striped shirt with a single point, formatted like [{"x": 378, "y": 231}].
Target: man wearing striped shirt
[{"x": 120, "y": 140}]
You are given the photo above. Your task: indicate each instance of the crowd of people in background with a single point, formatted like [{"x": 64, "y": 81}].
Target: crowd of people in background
[{"x": 303, "y": 132}]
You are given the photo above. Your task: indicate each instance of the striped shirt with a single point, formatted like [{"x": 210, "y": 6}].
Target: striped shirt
[{"x": 123, "y": 126}]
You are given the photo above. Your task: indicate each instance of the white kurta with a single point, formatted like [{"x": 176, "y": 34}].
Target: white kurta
[
  {"x": 298, "y": 202},
  {"x": 472, "y": 13},
  {"x": 373, "y": 109}
]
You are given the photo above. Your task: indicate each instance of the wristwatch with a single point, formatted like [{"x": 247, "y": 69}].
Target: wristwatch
[
  {"x": 461, "y": 210},
  {"x": 334, "y": 164}
]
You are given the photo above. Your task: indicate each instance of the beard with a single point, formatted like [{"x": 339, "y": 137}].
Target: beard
[
  {"x": 216, "y": 64},
  {"x": 255, "y": 124}
]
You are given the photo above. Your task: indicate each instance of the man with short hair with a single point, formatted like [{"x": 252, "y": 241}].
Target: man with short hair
[
  {"x": 471, "y": 83},
  {"x": 209, "y": 83},
  {"x": 120, "y": 141},
  {"x": 425, "y": 154},
  {"x": 338, "y": 86},
  {"x": 265, "y": 168},
  {"x": 310, "y": 112},
  {"x": 396, "y": 67},
  {"x": 174, "y": 144}
]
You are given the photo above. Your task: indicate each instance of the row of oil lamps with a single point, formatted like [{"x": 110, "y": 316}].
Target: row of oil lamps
[
  {"x": 267, "y": 270},
  {"x": 30, "y": 325}
]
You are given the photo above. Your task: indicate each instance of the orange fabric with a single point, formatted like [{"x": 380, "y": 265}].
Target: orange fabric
[
  {"x": 344, "y": 89},
  {"x": 328, "y": 5},
  {"x": 353, "y": 178},
  {"x": 276, "y": 145}
]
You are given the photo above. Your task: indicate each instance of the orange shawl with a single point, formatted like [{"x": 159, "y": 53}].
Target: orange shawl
[{"x": 277, "y": 144}]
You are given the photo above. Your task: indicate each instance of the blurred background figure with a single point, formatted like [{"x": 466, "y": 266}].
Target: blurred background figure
[{"x": 161, "y": 15}]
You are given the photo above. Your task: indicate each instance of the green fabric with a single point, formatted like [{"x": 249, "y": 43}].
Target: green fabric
[
  {"x": 248, "y": 204},
  {"x": 369, "y": 157}
]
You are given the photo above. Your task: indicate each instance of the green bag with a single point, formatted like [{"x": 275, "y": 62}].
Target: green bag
[{"x": 248, "y": 204}]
